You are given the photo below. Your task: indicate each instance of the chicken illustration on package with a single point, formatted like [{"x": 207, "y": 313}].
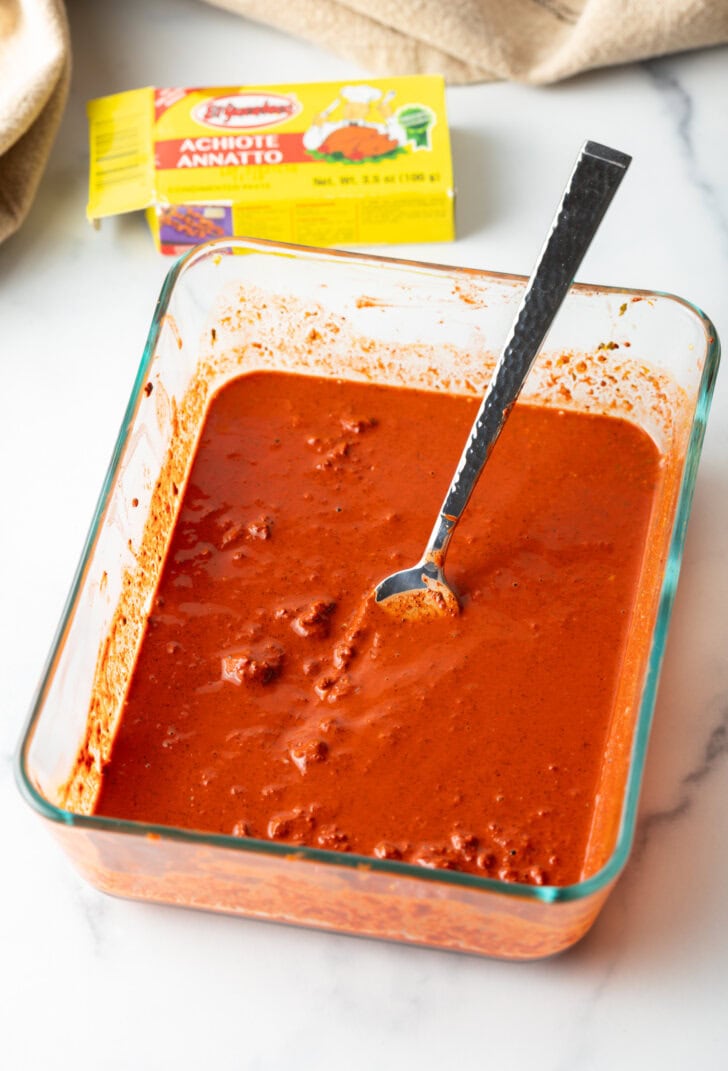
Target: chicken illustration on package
[{"x": 358, "y": 136}]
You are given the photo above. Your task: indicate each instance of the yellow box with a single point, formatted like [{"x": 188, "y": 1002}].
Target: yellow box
[{"x": 327, "y": 163}]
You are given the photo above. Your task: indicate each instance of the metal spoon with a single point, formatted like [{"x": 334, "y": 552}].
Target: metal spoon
[{"x": 423, "y": 589}]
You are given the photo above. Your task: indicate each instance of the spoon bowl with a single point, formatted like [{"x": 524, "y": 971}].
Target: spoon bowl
[{"x": 418, "y": 593}]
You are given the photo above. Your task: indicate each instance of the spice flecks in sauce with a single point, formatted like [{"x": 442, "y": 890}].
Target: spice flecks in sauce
[{"x": 470, "y": 743}]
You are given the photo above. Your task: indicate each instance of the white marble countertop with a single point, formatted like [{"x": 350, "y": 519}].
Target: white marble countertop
[{"x": 90, "y": 981}]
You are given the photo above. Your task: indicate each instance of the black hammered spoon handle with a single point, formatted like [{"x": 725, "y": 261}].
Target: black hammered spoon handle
[{"x": 594, "y": 181}]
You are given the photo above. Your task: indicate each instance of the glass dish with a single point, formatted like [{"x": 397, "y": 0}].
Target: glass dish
[{"x": 229, "y": 307}]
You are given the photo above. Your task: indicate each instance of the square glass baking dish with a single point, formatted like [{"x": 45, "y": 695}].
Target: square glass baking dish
[{"x": 235, "y": 306}]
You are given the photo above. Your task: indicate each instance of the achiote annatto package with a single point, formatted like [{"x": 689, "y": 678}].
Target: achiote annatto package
[{"x": 328, "y": 163}]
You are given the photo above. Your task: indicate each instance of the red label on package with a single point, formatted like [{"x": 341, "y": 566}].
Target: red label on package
[{"x": 229, "y": 150}]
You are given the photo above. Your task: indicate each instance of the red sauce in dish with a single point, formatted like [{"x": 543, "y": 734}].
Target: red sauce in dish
[{"x": 272, "y": 700}]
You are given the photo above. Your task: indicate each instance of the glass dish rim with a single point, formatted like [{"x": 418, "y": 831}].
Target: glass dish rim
[{"x": 390, "y": 868}]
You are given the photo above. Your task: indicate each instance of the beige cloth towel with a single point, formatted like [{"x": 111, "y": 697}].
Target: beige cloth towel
[
  {"x": 482, "y": 40},
  {"x": 34, "y": 76}
]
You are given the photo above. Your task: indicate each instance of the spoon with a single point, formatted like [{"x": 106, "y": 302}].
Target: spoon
[{"x": 423, "y": 591}]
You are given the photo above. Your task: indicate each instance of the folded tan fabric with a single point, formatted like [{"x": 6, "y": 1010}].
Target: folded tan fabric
[
  {"x": 34, "y": 75},
  {"x": 482, "y": 40}
]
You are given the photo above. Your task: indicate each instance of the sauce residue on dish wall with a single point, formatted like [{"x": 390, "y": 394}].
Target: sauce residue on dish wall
[
  {"x": 257, "y": 329},
  {"x": 475, "y": 743}
]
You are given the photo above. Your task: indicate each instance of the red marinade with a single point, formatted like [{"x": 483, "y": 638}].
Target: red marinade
[{"x": 264, "y": 704}]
